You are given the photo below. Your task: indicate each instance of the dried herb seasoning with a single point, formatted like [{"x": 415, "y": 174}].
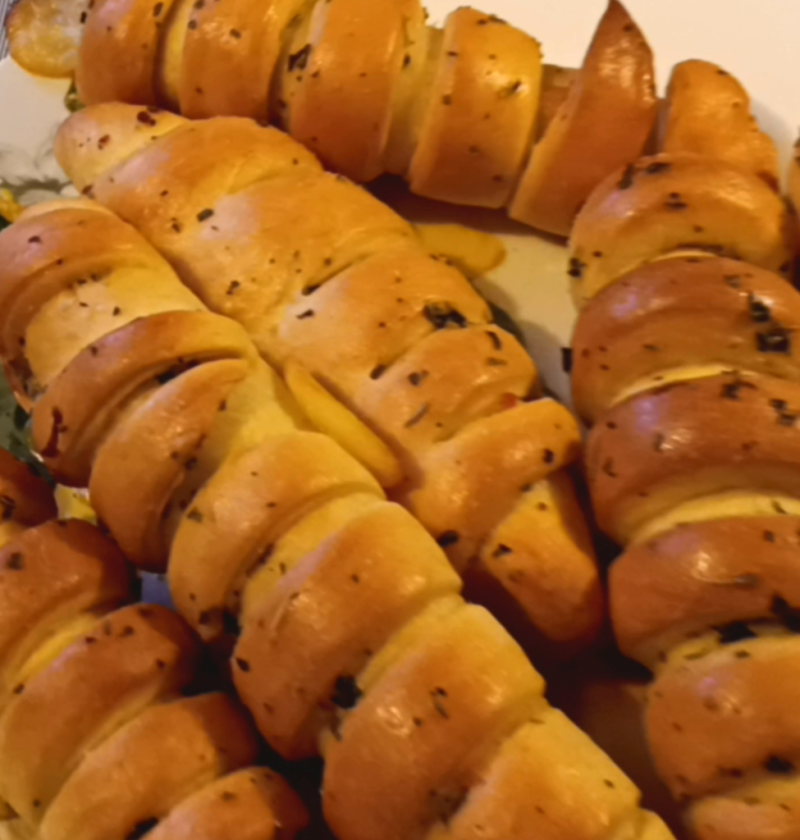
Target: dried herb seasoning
[
  {"x": 438, "y": 695},
  {"x": 731, "y": 390},
  {"x": 442, "y": 316},
  {"x": 576, "y": 268},
  {"x": 760, "y": 313},
  {"x": 736, "y": 631},
  {"x": 779, "y": 766},
  {"x": 448, "y": 538},
  {"x": 776, "y": 339},
  {"x": 346, "y": 692}
]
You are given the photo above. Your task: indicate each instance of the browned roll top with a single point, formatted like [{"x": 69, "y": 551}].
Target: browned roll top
[
  {"x": 100, "y": 738},
  {"x": 685, "y": 362},
  {"x": 352, "y": 637},
  {"x": 467, "y": 113}
]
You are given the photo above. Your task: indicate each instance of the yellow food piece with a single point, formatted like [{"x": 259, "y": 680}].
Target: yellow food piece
[
  {"x": 330, "y": 417},
  {"x": 472, "y": 252},
  {"x": 74, "y": 504},
  {"x": 10, "y": 209},
  {"x": 44, "y": 35}
]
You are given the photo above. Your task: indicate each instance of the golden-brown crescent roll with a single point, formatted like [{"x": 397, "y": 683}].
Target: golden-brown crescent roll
[
  {"x": 401, "y": 339},
  {"x": 685, "y": 365},
  {"x": 466, "y": 112}
]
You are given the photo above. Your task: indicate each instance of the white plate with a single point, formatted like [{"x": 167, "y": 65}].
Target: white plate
[{"x": 754, "y": 39}]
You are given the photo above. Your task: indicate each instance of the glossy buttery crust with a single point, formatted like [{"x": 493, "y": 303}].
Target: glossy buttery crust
[
  {"x": 688, "y": 313},
  {"x": 96, "y": 742},
  {"x": 400, "y": 338},
  {"x": 353, "y": 639},
  {"x": 370, "y": 87},
  {"x": 709, "y": 114},
  {"x": 670, "y": 202},
  {"x": 690, "y": 439},
  {"x": 686, "y": 366},
  {"x": 605, "y": 122}
]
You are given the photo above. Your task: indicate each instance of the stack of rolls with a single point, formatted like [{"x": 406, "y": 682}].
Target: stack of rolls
[
  {"x": 468, "y": 113},
  {"x": 686, "y": 366},
  {"x": 321, "y": 273},
  {"x": 100, "y": 736},
  {"x": 354, "y": 640}
]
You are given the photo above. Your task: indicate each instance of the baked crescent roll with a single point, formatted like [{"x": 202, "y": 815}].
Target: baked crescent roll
[
  {"x": 467, "y": 113},
  {"x": 685, "y": 363},
  {"x": 320, "y": 273},
  {"x": 348, "y": 631}
]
